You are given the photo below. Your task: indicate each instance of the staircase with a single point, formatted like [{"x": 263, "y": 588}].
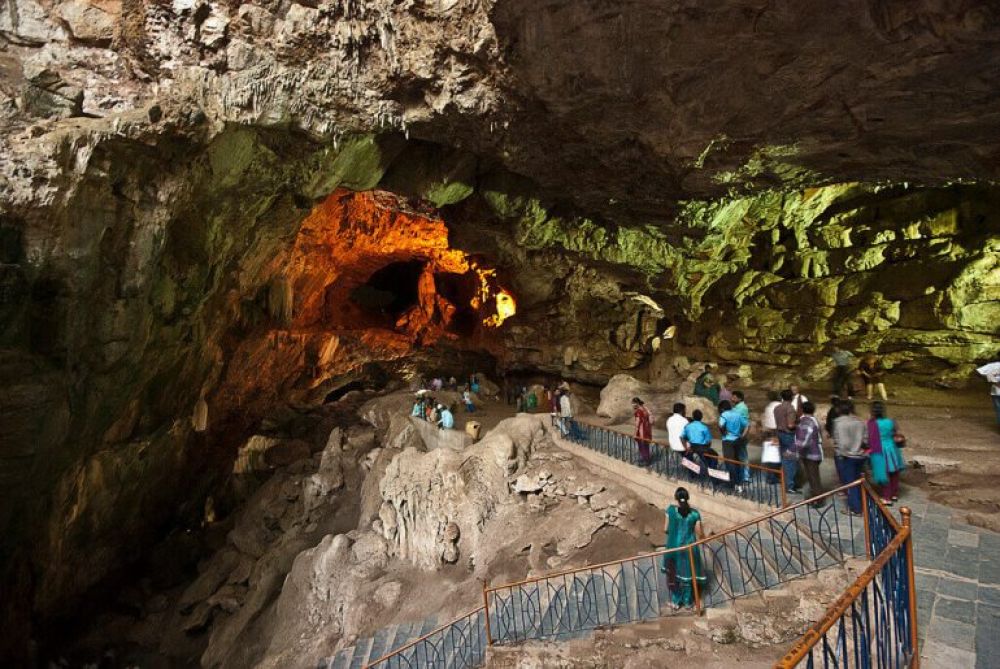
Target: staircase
[
  {"x": 366, "y": 651},
  {"x": 761, "y": 554}
]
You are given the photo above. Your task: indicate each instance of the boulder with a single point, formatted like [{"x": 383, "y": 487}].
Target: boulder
[
  {"x": 91, "y": 20},
  {"x": 616, "y": 399}
]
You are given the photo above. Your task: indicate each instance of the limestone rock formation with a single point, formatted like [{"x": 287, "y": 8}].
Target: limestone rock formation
[{"x": 195, "y": 198}]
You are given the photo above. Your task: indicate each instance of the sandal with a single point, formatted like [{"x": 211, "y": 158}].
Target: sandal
[
  {"x": 887, "y": 502},
  {"x": 895, "y": 498}
]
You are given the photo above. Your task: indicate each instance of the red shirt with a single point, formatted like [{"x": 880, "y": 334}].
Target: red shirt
[{"x": 643, "y": 423}]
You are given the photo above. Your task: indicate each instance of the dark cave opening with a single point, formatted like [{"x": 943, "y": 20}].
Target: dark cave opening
[
  {"x": 460, "y": 290},
  {"x": 390, "y": 291},
  {"x": 339, "y": 392}
]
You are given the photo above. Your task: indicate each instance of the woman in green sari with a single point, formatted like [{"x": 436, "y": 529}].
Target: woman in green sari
[{"x": 683, "y": 527}]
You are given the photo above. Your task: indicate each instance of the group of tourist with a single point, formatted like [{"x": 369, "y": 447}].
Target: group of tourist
[{"x": 427, "y": 408}]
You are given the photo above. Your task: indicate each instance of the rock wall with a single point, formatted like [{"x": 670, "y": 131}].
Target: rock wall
[{"x": 620, "y": 168}]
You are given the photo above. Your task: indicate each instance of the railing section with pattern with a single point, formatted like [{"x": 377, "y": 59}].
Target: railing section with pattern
[
  {"x": 874, "y": 623},
  {"x": 877, "y": 618},
  {"x": 761, "y": 554},
  {"x": 461, "y": 644},
  {"x": 713, "y": 473}
]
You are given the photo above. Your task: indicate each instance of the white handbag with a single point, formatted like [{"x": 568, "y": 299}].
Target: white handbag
[{"x": 770, "y": 453}]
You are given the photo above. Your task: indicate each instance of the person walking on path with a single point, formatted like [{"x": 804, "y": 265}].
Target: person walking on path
[
  {"x": 734, "y": 428},
  {"x": 470, "y": 407},
  {"x": 565, "y": 412},
  {"x": 842, "y": 372},
  {"x": 697, "y": 439},
  {"x": 643, "y": 430},
  {"x": 851, "y": 438},
  {"x": 675, "y": 428},
  {"x": 884, "y": 442},
  {"x": 785, "y": 419},
  {"x": 809, "y": 444},
  {"x": 992, "y": 373},
  {"x": 872, "y": 373},
  {"x": 682, "y": 527}
]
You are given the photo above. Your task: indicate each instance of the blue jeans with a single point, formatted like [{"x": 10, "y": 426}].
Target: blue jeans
[
  {"x": 744, "y": 457},
  {"x": 996, "y": 407},
  {"x": 789, "y": 458},
  {"x": 851, "y": 470}
]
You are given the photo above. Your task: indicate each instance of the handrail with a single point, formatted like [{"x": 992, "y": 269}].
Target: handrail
[
  {"x": 902, "y": 533},
  {"x": 839, "y": 608},
  {"x": 414, "y": 642},
  {"x": 666, "y": 445},
  {"x": 665, "y": 551}
]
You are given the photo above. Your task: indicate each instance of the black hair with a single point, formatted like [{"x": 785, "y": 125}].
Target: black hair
[
  {"x": 808, "y": 407},
  {"x": 636, "y": 400},
  {"x": 680, "y": 408},
  {"x": 682, "y": 497},
  {"x": 697, "y": 415},
  {"x": 878, "y": 410},
  {"x": 787, "y": 395},
  {"x": 725, "y": 405},
  {"x": 846, "y": 406},
  {"x": 738, "y": 394}
]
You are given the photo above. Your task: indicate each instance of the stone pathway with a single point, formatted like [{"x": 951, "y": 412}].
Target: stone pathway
[{"x": 958, "y": 587}]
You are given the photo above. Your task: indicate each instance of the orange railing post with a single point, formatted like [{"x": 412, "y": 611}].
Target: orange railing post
[
  {"x": 905, "y": 513},
  {"x": 486, "y": 606},
  {"x": 694, "y": 580},
  {"x": 868, "y": 529},
  {"x": 784, "y": 490}
]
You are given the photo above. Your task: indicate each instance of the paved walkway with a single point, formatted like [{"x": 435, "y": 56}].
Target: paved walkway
[
  {"x": 957, "y": 575},
  {"x": 958, "y": 587}
]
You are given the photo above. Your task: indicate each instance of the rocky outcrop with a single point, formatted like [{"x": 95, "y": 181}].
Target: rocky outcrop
[{"x": 181, "y": 234}]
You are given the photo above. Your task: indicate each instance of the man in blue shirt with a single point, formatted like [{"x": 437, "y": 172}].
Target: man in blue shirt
[
  {"x": 446, "y": 420},
  {"x": 697, "y": 439},
  {"x": 740, "y": 405},
  {"x": 734, "y": 428}
]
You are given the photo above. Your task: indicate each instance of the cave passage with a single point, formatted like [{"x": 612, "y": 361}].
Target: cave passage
[{"x": 390, "y": 291}]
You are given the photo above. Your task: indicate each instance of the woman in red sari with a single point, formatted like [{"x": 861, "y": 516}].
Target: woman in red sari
[{"x": 643, "y": 430}]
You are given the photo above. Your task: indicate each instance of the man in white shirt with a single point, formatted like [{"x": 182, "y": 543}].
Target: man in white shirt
[
  {"x": 798, "y": 399},
  {"x": 767, "y": 418},
  {"x": 675, "y": 427},
  {"x": 565, "y": 412},
  {"x": 992, "y": 374}
]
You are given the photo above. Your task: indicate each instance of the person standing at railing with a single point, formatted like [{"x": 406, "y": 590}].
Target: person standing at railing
[
  {"x": 740, "y": 405},
  {"x": 675, "y": 428},
  {"x": 565, "y": 412},
  {"x": 643, "y": 430},
  {"x": 785, "y": 419},
  {"x": 884, "y": 441},
  {"x": 682, "y": 527},
  {"x": 734, "y": 428},
  {"x": 809, "y": 444},
  {"x": 697, "y": 440},
  {"x": 851, "y": 438}
]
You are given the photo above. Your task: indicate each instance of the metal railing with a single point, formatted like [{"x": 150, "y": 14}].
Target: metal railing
[
  {"x": 874, "y": 623},
  {"x": 876, "y": 615},
  {"x": 713, "y": 473},
  {"x": 763, "y": 553},
  {"x": 460, "y": 644}
]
